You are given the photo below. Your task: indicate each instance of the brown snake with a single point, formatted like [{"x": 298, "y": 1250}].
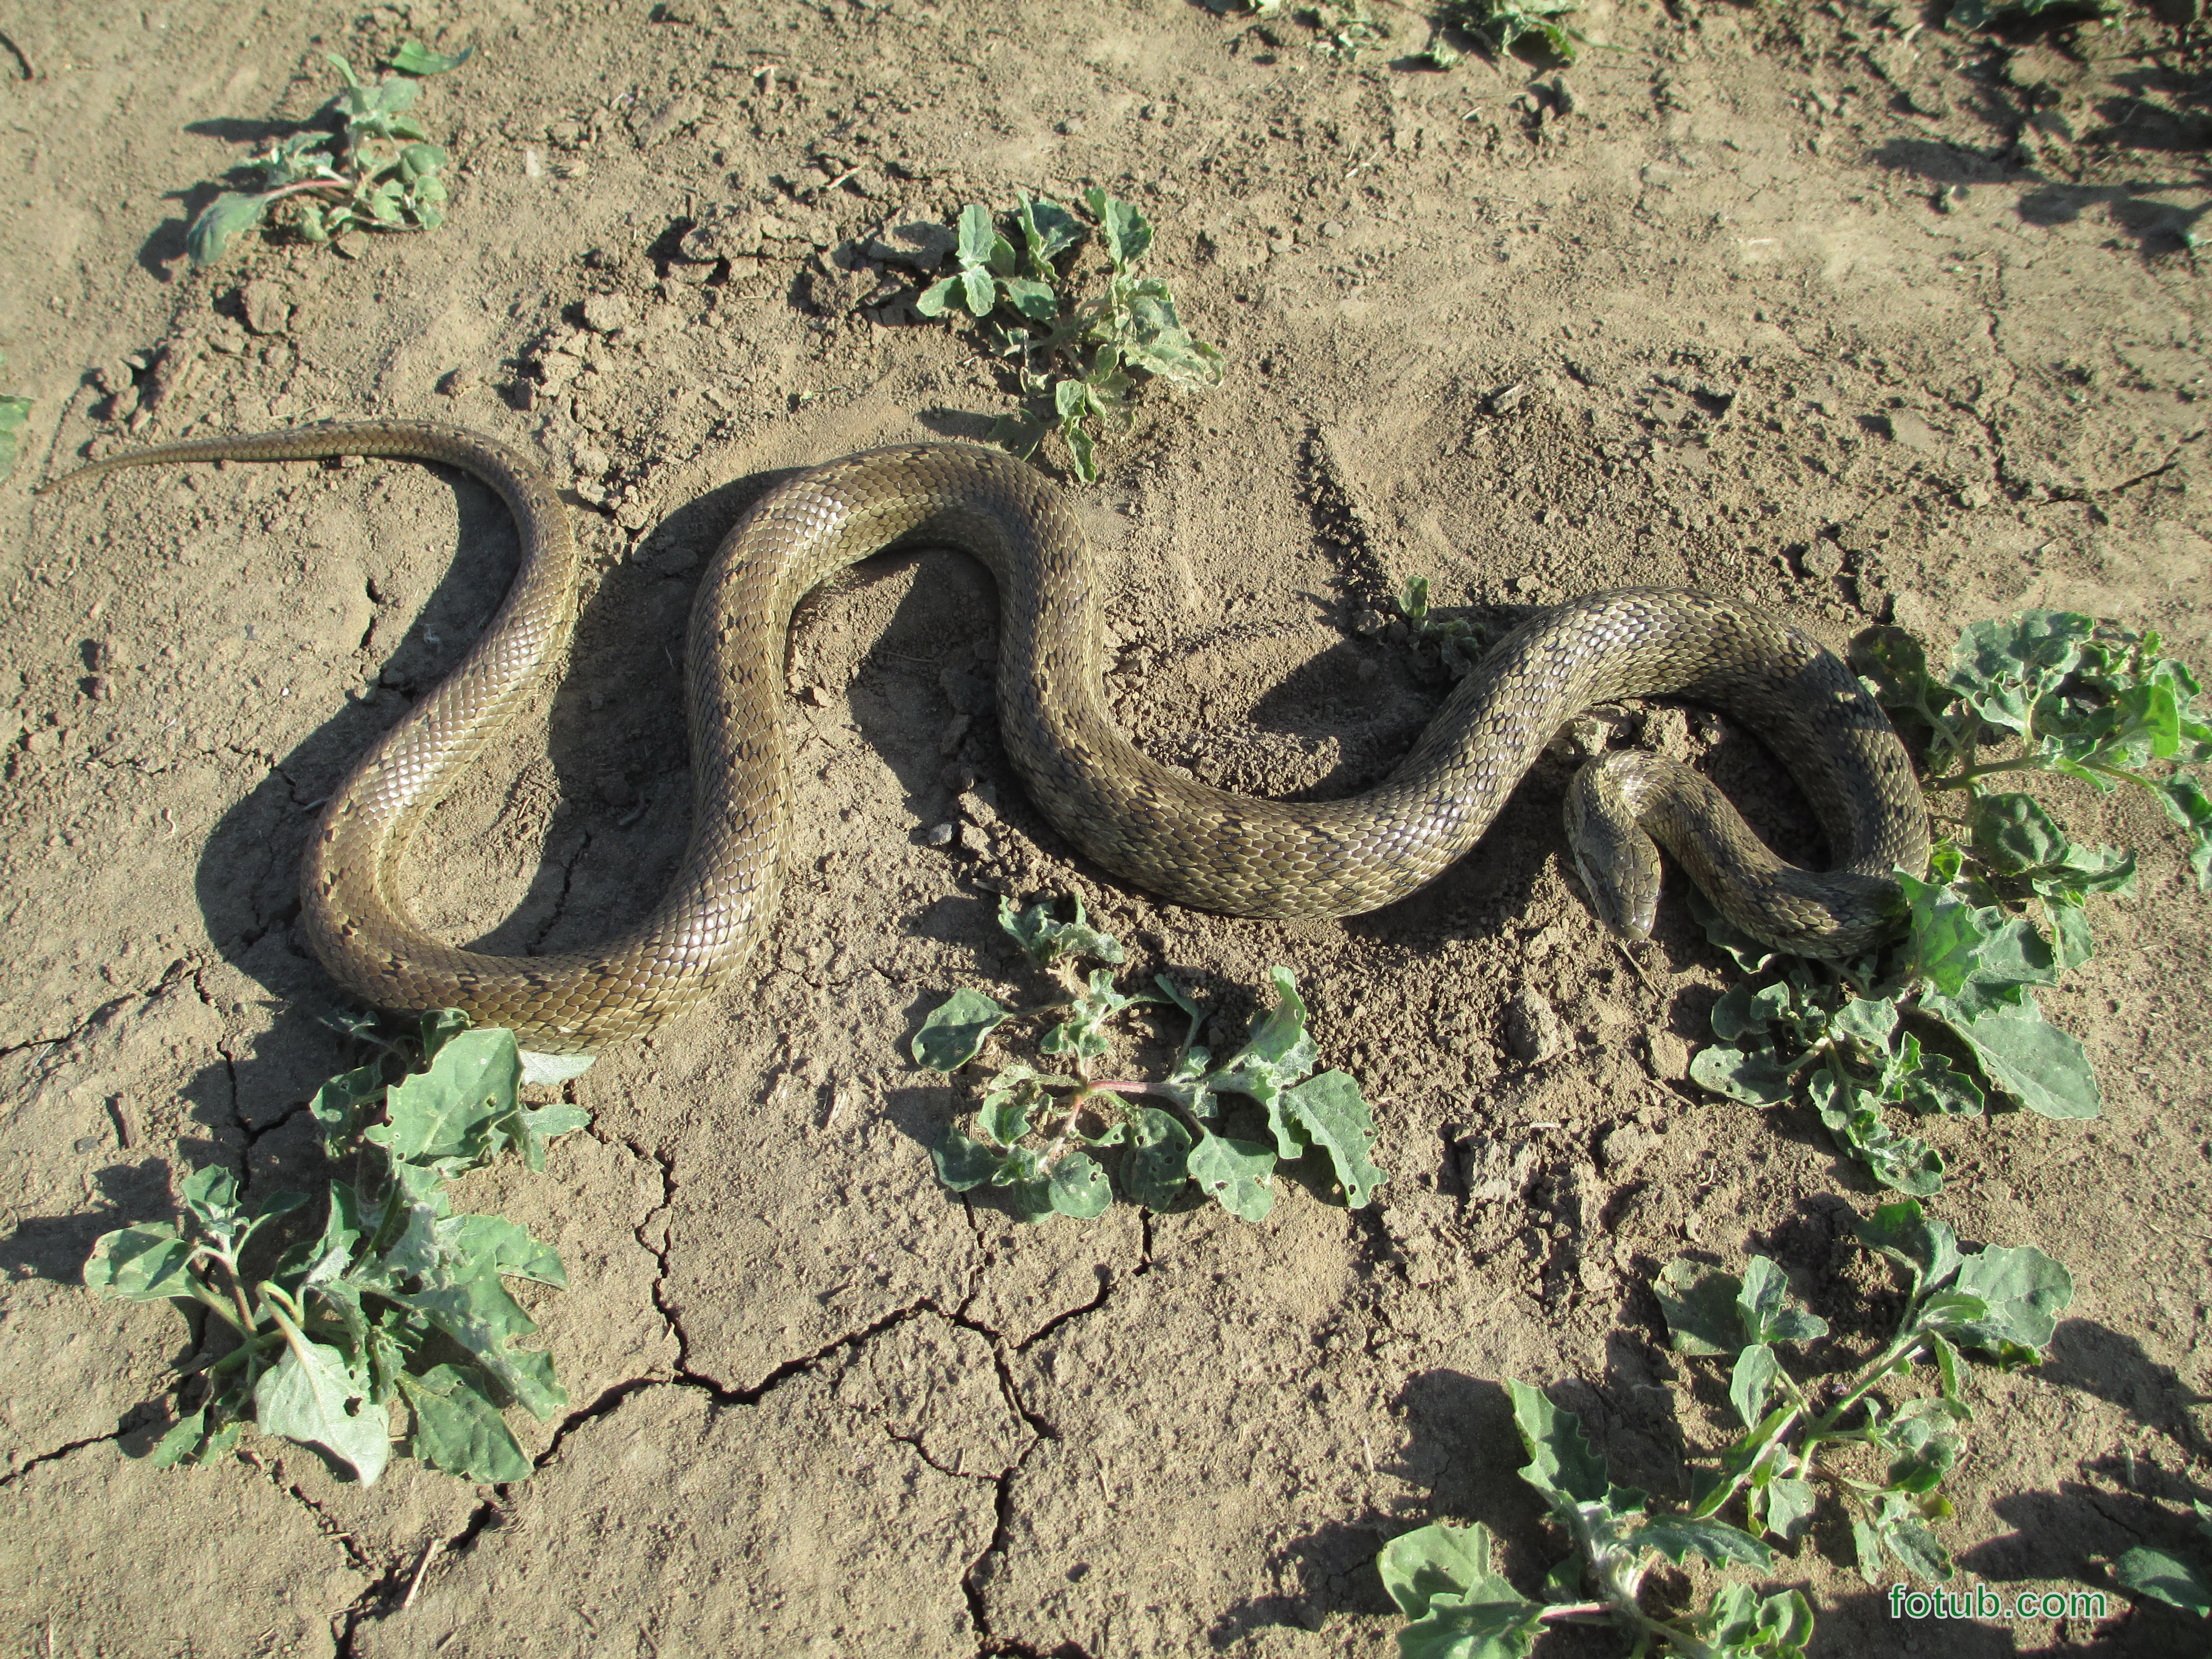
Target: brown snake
[{"x": 1180, "y": 839}]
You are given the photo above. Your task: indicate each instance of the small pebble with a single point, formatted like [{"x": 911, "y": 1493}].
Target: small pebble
[{"x": 939, "y": 835}]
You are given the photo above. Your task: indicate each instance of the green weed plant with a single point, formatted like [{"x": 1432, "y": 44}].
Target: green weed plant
[
  {"x": 397, "y": 1298},
  {"x": 1831, "y": 1443},
  {"x": 1037, "y": 1131},
  {"x": 384, "y": 174},
  {"x": 1079, "y": 357}
]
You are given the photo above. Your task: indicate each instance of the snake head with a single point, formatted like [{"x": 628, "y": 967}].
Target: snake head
[{"x": 1618, "y": 862}]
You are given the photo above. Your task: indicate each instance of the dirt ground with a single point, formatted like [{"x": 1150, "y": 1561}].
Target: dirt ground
[{"x": 1863, "y": 319}]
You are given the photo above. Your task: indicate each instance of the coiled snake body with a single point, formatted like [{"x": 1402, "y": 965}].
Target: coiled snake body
[{"x": 1175, "y": 838}]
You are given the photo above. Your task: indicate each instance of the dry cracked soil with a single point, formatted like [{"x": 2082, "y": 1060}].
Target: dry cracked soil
[{"x": 1822, "y": 305}]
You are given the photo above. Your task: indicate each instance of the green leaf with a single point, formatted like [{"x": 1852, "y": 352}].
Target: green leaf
[
  {"x": 147, "y": 1262},
  {"x": 1909, "y": 1540},
  {"x": 1328, "y": 1111},
  {"x": 480, "y": 1244},
  {"x": 1237, "y": 1174},
  {"x": 1020, "y": 432},
  {"x": 460, "y": 1430},
  {"x": 978, "y": 291},
  {"x": 477, "y": 1313},
  {"x": 1866, "y": 1547},
  {"x": 1490, "y": 1630},
  {"x": 1853, "y": 1116},
  {"x": 2164, "y": 1577},
  {"x": 963, "y": 1164},
  {"x": 313, "y": 1396},
  {"x": 344, "y": 69},
  {"x": 1751, "y": 1382},
  {"x": 413, "y": 58},
  {"x": 1070, "y": 399},
  {"x": 13, "y": 411},
  {"x": 1046, "y": 940},
  {"x": 2039, "y": 1065},
  {"x": 1754, "y": 1077},
  {"x": 2024, "y": 1291},
  {"x": 1083, "y": 452},
  {"x": 1079, "y": 1188},
  {"x": 1048, "y": 230},
  {"x": 181, "y": 1441},
  {"x": 1126, "y": 232},
  {"x": 956, "y": 1030},
  {"x": 1678, "y": 1537},
  {"x": 1444, "y": 1559},
  {"x": 1279, "y": 1051},
  {"x": 1790, "y": 1505},
  {"x": 976, "y": 234},
  {"x": 2012, "y": 834},
  {"x": 1925, "y": 1249},
  {"x": 1035, "y": 300},
  {"x": 1763, "y": 1307},
  {"x": 445, "y": 1117},
  {"x": 1563, "y": 1464},
  {"x": 1699, "y": 1304},
  {"x": 337, "y": 1105},
  {"x": 1083, "y": 1033},
  {"x": 1008, "y": 1100},
  {"x": 209, "y": 1194},
  {"x": 1158, "y": 1169},
  {"x": 536, "y": 1126},
  {"x": 2187, "y": 804},
  {"x": 932, "y": 300}
]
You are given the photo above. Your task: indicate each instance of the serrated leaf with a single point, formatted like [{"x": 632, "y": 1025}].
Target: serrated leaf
[
  {"x": 1237, "y": 1174},
  {"x": 2187, "y": 804},
  {"x": 446, "y": 1116},
  {"x": 1678, "y": 1537},
  {"x": 147, "y": 1262},
  {"x": 313, "y": 1396},
  {"x": 460, "y": 1430},
  {"x": 535, "y": 1127},
  {"x": 1280, "y": 1051},
  {"x": 1563, "y": 1464},
  {"x": 1328, "y": 1111},
  {"x": 1853, "y": 1116},
  {"x": 1079, "y": 1188},
  {"x": 477, "y": 1313},
  {"x": 1158, "y": 1170},
  {"x": 956, "y": 1030},
  {"x": 1048, "y": 230}
]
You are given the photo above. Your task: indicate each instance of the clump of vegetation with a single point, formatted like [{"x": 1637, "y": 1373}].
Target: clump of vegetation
[
  {"x": 1980, "y": 14},
  {"x": 1079, "y": 357},
  {"x": 2050, "y": 691},
  {"x": 1036, "y": 1130},
  {"x": 1999, "y": 1305},
  {"x": 397, "y": 1298},
  {"x": 1503, "y": 22},
  {"x": 13, "y": 411},
  {"x": 384, "y": 175}
]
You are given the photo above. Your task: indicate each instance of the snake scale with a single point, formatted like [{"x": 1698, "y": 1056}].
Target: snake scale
[{"x": 1166, "y": 833}]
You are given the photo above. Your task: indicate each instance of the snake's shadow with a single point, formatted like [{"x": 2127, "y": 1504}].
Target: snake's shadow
[{"x": 613, "y": 837}]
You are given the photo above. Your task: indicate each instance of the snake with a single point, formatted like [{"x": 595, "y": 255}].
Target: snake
[{"x": 1160, "y": 828}]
